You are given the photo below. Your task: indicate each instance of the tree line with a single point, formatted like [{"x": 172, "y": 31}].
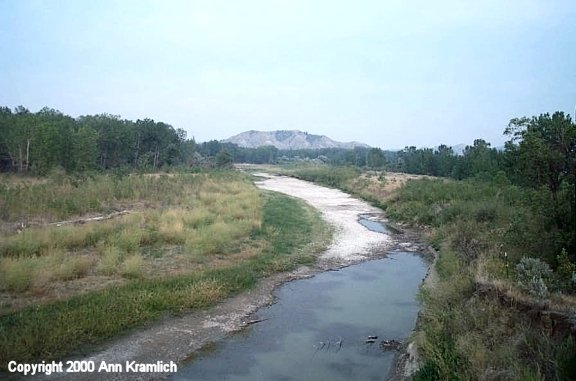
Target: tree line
[
  {"x": 38, "y": 142},
  {"x": 540, "y": 151},
  {"x": 540, "y": 155}
]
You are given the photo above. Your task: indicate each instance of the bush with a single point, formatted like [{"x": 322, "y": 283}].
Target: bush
[
  {"x": 109, "y": 260},
  {"x": 132, "y": 266},
  {"x": 533, "y": 276},
  {"x": 331, "y": 176},
  {"x": 466, "y": 237},
  {"x": 566, "y": 271},
  {"x": 73, "y": 267},
  {"x": 16, "y": 274}
]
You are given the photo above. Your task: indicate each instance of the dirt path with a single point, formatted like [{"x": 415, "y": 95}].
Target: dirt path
[{"x": 178, "y": 338}]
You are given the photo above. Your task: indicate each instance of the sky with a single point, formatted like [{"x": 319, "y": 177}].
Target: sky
[{"x": 389, "y": 73}]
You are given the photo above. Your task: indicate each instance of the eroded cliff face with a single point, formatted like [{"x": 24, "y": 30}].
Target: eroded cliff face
[{"x": 559, "y": 323}]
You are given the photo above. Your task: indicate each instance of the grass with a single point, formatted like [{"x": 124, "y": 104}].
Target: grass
[
  {"x": 17, "y": 275},
  {"x": 109, "y": 260},
  {"x": 208, "y": 214},
  {"x": 132, "y": 266},
  {"x": 337, "y": 177},
  {"x": 279, "y": 232},
  {"x": 53, "y": 200}
]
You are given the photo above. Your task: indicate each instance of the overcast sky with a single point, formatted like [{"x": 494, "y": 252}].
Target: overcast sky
[{"x": 386, "y": 73}]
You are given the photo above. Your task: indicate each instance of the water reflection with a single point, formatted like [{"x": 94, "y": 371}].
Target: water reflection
[
  {"x": 377, "y": 226},
  {"x": 318, "y": 328}
]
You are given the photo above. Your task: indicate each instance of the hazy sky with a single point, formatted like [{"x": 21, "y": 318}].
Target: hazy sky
[{"x": 386, "y": 73}]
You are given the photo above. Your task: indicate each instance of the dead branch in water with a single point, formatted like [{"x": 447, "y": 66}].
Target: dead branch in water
[{"x": 254, "y": 322}]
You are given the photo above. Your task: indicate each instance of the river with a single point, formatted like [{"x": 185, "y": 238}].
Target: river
[
  {"x": 329, "y": 327},
  {"x": 332, "y": 326},
  {"x": 318, "y": 326}
]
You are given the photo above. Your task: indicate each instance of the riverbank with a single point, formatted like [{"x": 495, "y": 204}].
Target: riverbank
[
  {"x": 181, "y": 279},
  {"x": 498, "y": 310},
  {"x": 175, "y": 339}
]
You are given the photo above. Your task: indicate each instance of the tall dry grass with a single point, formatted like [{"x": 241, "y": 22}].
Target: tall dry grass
[{"x": 205, "y": 214}]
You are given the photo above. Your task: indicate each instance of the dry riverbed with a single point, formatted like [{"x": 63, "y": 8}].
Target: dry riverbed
[
  {"x": 179, "y": 338},
  {"x": 352, "y": 241}
]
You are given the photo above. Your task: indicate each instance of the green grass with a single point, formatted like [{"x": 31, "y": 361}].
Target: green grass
[
  {"x": 337, "y": 177},
  {"x": 290, "y": 230}
]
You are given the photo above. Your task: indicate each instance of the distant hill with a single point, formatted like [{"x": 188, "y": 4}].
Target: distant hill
[{"x": 292, "y": 139}]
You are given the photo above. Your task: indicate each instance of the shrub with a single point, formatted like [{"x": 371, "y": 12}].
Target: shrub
[
  {"x": 566, "y": 271},
  {"x": 74, "y": 267},
  {"x": 28, "y": 243},
  {"x": 109, "y": 260},
  {"x": 132, "y": 266},
  {"x": 330, "y": 176},
  {"x": 466, "y": 238},
  {"x": 16, "y": 274},
  {"x": 533, "y": 276},
  {"x": 128, "y": 239}
]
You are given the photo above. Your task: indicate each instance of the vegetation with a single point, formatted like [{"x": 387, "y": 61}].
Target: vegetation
[
  {"x": 39, "y": 142},
  {"x": 505, "y": 292},
  {"x": 337, "y": 177},
  {"x": 189, "y": 241},
  {"x": 503, "y": 223},
  {"x": 484, "y": 232}
]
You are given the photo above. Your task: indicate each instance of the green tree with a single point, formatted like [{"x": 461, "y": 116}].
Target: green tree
[
  {"x": 84, "y": 149},
  {"x": 52, "y": 141},
  {"x": 18, "y": 138},
  {"x": 477, "y": 159},
  {"x": 542, "y": 152},
  {"x": 544, "y": 148},
  {"x": 157, "y": 143},
  {"x": 6, "y": 124},
  {"x": 224, "y": 159},
  {"x": 375, "y": 158},
  {"x": 445, "y": 160},
  {"x": 116, "y": 139}
]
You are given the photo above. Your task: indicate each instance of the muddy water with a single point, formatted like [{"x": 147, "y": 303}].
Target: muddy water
[{"x": 319, "y": 326}]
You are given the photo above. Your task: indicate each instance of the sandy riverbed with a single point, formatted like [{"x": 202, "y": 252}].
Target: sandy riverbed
[
  {"x": 352, "y": 241},
  {"x": 178, "y": 338}
]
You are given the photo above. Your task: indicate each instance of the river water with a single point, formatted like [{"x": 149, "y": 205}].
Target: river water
[{"x": 318, "y": 328}]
